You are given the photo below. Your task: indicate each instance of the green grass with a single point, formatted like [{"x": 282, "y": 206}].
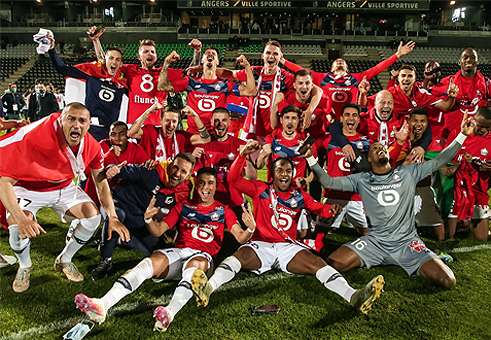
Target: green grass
[{"x": 409, "y": 308}]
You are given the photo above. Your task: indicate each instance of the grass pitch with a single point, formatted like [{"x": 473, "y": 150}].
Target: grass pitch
[{"x": 409, "y": 308}]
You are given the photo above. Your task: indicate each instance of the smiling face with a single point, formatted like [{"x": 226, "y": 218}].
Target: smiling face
[
  {"x": 147, "y": 56},
  {"x": 271, "y": 57},
  {"x": 384, "y": 104},
  {"x": 210, "y": 58},
  {"x": 339, "y": 66},
  {"x": 417, "y": 125},
  {"x": 206, "y": 185},
  {"x": 282, "y": 175},
  {"x": 114, "y": 62},
  {"x": 469, "y": 60},
  {"x": 289, "y": 121},
  {"x": 169, "y": 122},
  {"x": 221, "y": 123},
  {"x": 303, "y": 86},
  {"x": 406, "y": 80},
  {"x": 179, "y": 172},
  {"x": 118, "y": 136},
  {"x": 75, "y": 123},
  {"x": 350, "y": 120},
  {"x": 378, "y": 154}
]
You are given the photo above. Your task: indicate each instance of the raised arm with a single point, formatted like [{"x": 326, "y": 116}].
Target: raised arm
[
  {"x": 452, "y": 92},
  {"x": 274, "y": 115},
  {"x": 451, "y": 150},
  {"x": 363, "y": 88},
  {"x": 196, "y": 45},
  {"x": 314, "y": 102},
  {"x": 164, "y": 83},
  {"x": 235, "y": 174},
  {"x": 60, "y": 66},
  {"x": 99, "y": 51},
  {"x": 242, "y": 236},
  {"x": 203, "y": 136},
  {"x": 262, "y": 159},
  {"x": 249, "y": 89},
  {"x": 135, "y": 130}
]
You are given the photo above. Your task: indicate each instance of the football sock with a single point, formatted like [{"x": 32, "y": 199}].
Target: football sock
[
  {"x": 80, "y": 236},
  {"x": 128, "y": 283},
  {"x": 20, "y": 246},
  {"x": 225, "y": 272},
  {"x": 183, "y": 292},
  {"x": 335, "y": 282}
]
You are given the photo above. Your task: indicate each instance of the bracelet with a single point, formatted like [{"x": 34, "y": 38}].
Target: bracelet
[
  {"x": 148, "y": 220},
  {"x": 250, "y": 230}
]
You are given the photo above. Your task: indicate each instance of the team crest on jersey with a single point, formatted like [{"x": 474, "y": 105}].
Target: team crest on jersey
[
  {"x": 348, "y": 82},
  {"x": 417, "y": 246},
  {"x": 169, "y": 200},
  {"x": 392, "y": 134},
  {"x": 215, "y": 216},
  {"x": 397, "y": 177},
  {"x": 484, "y": 152},
  {"x": 293, "y": 203},
  {"x": 359, "y": 145},
  {"x": 217, "y": 87},
  {"x": 231, "y": 156}
]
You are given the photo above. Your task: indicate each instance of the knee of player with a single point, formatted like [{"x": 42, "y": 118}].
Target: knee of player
[{"x": 449, "y": 282}]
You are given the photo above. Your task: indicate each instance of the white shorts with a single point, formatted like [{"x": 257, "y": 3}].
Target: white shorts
[
  {"x": 352, "y": 210},
  {"x": 273, "y": 255},
  {"x": 179, "y": 258},
  {"x": 426, "y": 208},
  {"x": 480, "y": 212},
  {"x": 60, "y": 201}
]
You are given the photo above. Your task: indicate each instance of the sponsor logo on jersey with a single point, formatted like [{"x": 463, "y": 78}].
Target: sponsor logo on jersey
[
  {"x": 191, "y": 215},
  {"x": 197, "y": 86},
  {"x": 293, "y": 203},
  {"x": 169, "y": 200},
  {"x": 417, "y": 246}
]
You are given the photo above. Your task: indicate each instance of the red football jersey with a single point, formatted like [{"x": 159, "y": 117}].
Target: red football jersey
[
  {"x": 204, "y": 95},
  {"x": 289, "y": 206},
  {"x": 164, "y": 149},
  {"x": 265, "y": 93},
  {"x": 220, "y": 155},
  {"x": 473, "y": 93},
  {"x": 201, "y": 228},
  {"x": 143, "y": 91},
  {"x": 343, "y": 89},
  {"x": 480, "y": 148},
  {"x": 338, "y": 166},
  {"x": 282, "y": 147},
  {"x": 319, "y": 123},
  {"x": 403, "y": 104},
  {"x": 377, "y": 130}
]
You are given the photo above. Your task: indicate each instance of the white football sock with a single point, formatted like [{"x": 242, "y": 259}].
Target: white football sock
[
  {"x": 20, "y": 246},
  {"x": 128, "y": 283},
  {"x": 84, "y": 231},
  {"x": 335, "y": 282},
  {"x": 225, "y": 272},
  {"x": 183, "y": 292}
]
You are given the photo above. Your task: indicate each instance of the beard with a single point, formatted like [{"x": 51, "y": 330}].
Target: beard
[{"x": 383, "y": 161}]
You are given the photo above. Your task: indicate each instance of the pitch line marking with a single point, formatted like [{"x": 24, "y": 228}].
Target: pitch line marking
[{"x": 70, "y": 322}]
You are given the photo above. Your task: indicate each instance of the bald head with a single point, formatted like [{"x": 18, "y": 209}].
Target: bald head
[{"x": 384, "y": 105}]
